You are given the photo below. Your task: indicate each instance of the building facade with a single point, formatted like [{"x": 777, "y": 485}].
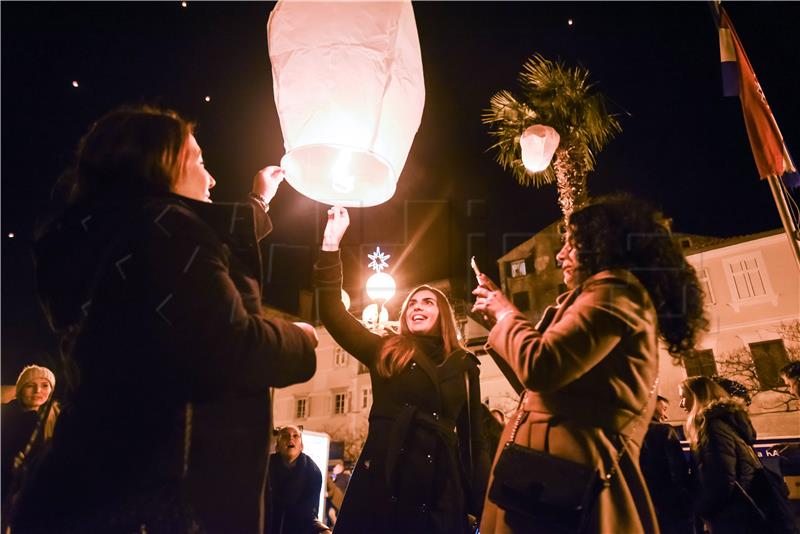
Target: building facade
[{"x": 752, "y": 289}]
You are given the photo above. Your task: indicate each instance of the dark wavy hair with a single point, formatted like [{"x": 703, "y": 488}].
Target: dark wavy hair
[
  {"x": 622, "y": 232},
  {"x": 132, "y": 150}
]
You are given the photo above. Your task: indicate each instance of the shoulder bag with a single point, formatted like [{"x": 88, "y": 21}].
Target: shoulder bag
[{"x": 545, "y": 489}]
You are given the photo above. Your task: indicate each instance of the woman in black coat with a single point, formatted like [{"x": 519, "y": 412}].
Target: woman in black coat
[
  {"x": 720, "y": 433},
  {"x": 425, "y": 462},
  {"x": 156, "y": 292}
]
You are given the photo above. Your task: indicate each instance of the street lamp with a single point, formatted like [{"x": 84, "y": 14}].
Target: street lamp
[{"x": 380, "y": 288}]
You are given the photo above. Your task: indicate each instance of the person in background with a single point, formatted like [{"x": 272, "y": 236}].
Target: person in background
[
  {"x": 590, "y": 365},
  {"x": 721, "y": 434},
  {"x": 156, "y": 294},
  {"x": 790, "y": 374},
  {"x": 500, "y": 416},
  {"x": 424, "y": 464},
  {"x": 666, "y": 472},
  {"x": 295, "y": 483},
  {"x": 789, "y": 453},
  {"x": 491, "y": 426},
  {"x": 21, "y": 418}
]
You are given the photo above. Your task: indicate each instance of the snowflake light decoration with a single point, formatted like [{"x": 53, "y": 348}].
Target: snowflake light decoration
[{"x": 378, "y": 258}]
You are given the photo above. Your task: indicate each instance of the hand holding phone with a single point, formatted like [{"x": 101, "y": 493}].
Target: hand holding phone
[{"x": 483, "y": 280}]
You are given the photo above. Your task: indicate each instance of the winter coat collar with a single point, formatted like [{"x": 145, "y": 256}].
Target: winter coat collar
[{"x": 732, "y": 412}]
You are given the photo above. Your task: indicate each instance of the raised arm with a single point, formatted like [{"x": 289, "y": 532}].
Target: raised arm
[
  {"x": 195, "y": 307},
  {"x": 345, "y": 329},
  {"x": 607, "y": 309}
]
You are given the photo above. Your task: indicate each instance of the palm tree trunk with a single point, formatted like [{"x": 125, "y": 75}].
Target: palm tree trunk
[{"x": 570, "y": 180}]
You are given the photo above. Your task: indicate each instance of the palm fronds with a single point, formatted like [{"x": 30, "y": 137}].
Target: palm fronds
[{"x": 560, "y": 97}]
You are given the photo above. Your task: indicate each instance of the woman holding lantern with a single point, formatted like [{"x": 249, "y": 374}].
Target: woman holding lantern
[
  {"x": 156, "y": 294},
  {"x": 590, "y": 367},
  {"x": 424, "y": 464}
]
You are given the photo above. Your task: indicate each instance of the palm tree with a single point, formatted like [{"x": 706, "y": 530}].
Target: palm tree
[{"x": 559, "y": 97}]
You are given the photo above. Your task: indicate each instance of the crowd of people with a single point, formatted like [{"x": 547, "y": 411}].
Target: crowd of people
[{"x": 165, "y": 418}]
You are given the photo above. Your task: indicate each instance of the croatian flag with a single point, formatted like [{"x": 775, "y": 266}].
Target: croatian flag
[{"x": 738, "y": 78}]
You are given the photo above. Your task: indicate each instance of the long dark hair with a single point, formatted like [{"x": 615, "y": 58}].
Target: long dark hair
[
  {"x": 398, "y": 350},
  {"x": 129, "y": 151},
  {"x": 621, "y": 232}
]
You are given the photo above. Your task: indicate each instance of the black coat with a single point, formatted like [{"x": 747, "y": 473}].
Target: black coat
[
  {"x": 723, "y": 460},
  {"x": 18, "y": 426},
  {"x": 168, "y": 420},
  {"x": 293, "y": 496},
  {"x": 666, "y": 472},
  {"x": 414, "y": 473}
]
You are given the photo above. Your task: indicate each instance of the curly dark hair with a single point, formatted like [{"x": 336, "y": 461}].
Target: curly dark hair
[{"x": 623, "y": 232}]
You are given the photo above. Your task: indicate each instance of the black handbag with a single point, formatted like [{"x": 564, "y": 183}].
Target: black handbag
[
  {"x": 769, "y": 498},
  {"x": 537, "y": 488}
]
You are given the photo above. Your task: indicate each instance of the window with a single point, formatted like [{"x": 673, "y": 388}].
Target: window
[
  {"x": 746, "y": 278},
  {"x": 522, "y": 300},
  {"x": 339, "y": 357},
  {"x": 339, "y": 402},
  {"x": 705, "y": 284},
  {"x": 301, "y": 408},
  {"x": 518, "y": 268},
  {"x": 769, "y": 357},
  {"x": 700, "y": 363},
  {"x": 366, "y": 398},
  {"x": 362, "y": 369}
]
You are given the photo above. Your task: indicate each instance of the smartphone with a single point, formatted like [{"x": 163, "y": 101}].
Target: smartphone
[{"x": 475, "y": 269}]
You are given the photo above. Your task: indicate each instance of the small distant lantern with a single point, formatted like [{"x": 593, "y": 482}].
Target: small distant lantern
[
  {"x": 538, "y": 144},
  {"x": 349, "y": 90}
]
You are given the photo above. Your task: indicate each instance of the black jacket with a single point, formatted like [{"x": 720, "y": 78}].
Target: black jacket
[
  {"x": 168, "y": 419},
  {"x": 293, "y": 496},
  {"x": 725, "y": 434},
  {"x": 666, "y": 472},
  {"x": 414, "y": 473}
]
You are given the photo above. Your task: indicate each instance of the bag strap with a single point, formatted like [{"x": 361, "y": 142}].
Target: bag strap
[{"x": 521, "y": 414}]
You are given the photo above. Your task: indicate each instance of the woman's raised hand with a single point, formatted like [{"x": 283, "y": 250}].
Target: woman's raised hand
[
  {"x": 338, "y": 221},
  {"x": 266, "y": 182}
]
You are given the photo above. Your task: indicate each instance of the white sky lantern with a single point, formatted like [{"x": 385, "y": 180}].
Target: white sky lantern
[
  {"x": 348, "y": 85},
  {"x": 538, "y": 144}
]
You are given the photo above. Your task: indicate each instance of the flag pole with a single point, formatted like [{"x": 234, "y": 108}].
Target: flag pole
[{"x": 786, "y": 219}]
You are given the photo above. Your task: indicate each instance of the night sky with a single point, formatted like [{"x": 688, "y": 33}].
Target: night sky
[{"x": 683, "y": 146}]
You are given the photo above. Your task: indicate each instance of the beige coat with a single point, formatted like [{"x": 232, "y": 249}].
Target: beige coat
[{"x": 594, "y": 367}]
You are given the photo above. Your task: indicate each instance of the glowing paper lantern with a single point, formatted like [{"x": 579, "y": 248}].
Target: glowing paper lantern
[
  {"x": 538, "y": 144},
  {"x": 348, "y": 85}
]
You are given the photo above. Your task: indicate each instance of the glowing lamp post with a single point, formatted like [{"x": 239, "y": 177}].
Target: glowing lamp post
[
  {"x": 348, "y": 86},
  {"x": 380, "y": 288},
  {"x": 538, "y": 143}
]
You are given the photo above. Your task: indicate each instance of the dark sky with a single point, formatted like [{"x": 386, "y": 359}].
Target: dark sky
[{"x": 683, "y": 146}]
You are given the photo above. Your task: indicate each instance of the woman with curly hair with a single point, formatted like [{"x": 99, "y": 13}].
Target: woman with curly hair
[{"x": 590, "y": 365}]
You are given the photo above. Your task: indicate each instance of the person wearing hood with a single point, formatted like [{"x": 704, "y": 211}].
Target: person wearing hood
[
  {"x": 21, "y": 418},
  {"x": 295, "y": 483},
  {"x": 721, "y": 435},
  {"x": 156, "y": 293},
  {"x": 425, "y": 461}
]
